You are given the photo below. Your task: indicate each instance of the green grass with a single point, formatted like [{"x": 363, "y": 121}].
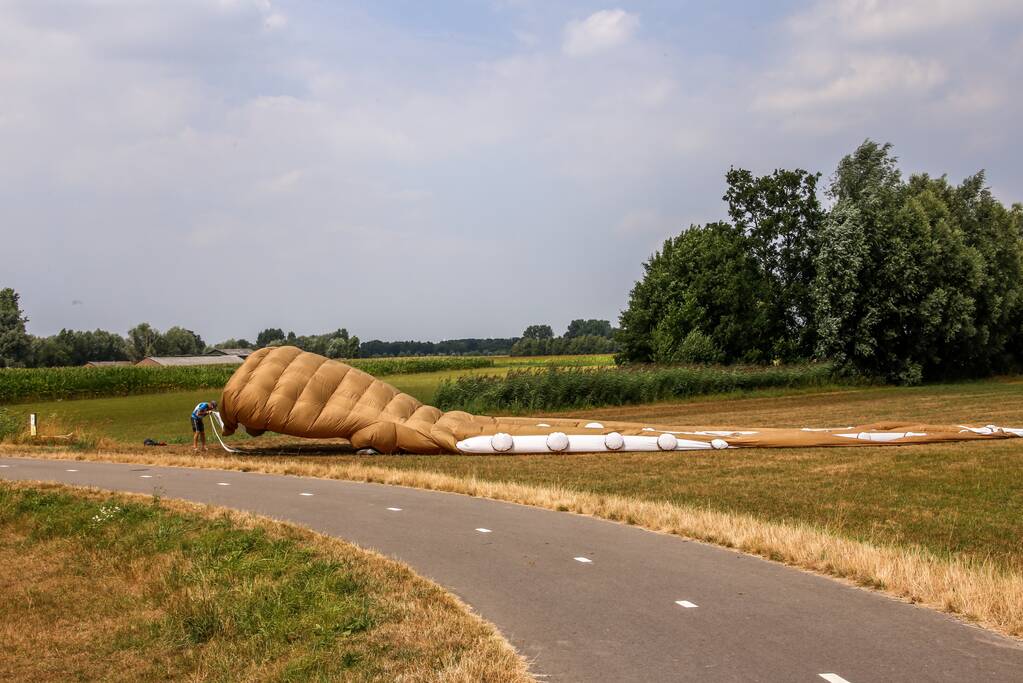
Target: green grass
[
  {"x": 955, "y": 499},
  {"x": 120, "y": 588}
]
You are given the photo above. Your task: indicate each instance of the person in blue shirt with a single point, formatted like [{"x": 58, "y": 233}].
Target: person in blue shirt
[{"x": 198, "y": 430}]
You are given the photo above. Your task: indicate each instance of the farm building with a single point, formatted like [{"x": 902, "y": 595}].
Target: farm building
[
  {"x": 241, "y": 353},
  {"x": 106, "y": 363},
  {"x": 177, "y": 361}
]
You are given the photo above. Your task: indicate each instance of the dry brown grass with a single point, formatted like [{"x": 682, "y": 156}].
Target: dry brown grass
[
  {"x": 978, "y": 590},
  {"x": 59, "y": 608}
]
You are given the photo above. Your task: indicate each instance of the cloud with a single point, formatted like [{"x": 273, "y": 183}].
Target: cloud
[
  {"x": 864, "y": 20},
  {"x": 598, "y": 32},
  {"x": 852, "y": 79}
]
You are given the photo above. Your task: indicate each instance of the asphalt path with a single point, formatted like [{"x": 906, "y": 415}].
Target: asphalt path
[{"x": 590, "y": 600}]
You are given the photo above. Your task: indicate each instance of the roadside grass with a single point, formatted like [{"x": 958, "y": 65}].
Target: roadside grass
[{"x": 120, "y": 587}]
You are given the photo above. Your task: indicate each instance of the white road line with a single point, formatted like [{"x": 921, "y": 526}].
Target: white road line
[
  {"x": 483, "y": 531},
  {"x": 70, "y": 470},
  {"x": 145, "y": 476},
  {"x": 833, "y": 678},
  {"x": 305, "y": 494},
  {"x": 4, "y": 465},
  {"x": 222, "y": 483},
  {"x": 686, "y": 604},
  {"x": 394, "y": 509},
  {"x": 584, "y": 560}
]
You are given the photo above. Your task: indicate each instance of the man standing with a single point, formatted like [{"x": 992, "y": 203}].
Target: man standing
[{"x": 198, "y": 429}]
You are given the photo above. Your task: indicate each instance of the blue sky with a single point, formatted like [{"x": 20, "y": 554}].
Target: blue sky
[{"x": 431, "y": 170}]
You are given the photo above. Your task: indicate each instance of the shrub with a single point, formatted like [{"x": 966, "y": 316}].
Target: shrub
[{"x": 557, "y": 389}]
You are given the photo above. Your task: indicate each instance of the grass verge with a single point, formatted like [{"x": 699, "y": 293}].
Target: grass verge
[{"x": 125, "y": 587}]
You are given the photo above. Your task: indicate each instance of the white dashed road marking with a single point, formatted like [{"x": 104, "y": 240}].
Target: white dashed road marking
[
  {"x": 4, "y": 465},
  {"x": 685, "y": 603},
  {"x": 145, "y": 476},
  {"x": 483, "y": 531},
  {"x": 305, "y": 494},
  {"x": 584, "y": 560},
  {"x": 222, "y": 483},
  {"x": 394, "y": 509},
  {"x": 70, "y": 470},
  {"x": 833, "y": 678}
]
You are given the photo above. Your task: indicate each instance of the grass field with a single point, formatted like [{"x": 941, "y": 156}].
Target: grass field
[
  {"x": 961, "y": 503},
  {"x": 115, "y": 587},
  {"x": 954, "y": 499}
]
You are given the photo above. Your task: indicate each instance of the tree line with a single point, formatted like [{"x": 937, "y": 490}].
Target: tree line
[
  {"x": 902, "y": 279},
  {"x": 582, "y": 337},
  {"x": 18, "y": 348}
]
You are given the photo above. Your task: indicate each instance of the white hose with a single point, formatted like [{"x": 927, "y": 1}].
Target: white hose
[{"x": 213, "y": 423}]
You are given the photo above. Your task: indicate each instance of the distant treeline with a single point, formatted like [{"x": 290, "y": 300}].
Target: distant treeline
[
  {"x": 449, "y": 347},
  {"x": 581, "y": 337},
  {"x": 73, "y": 347}
]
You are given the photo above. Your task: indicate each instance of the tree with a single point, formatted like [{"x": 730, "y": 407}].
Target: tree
[
  {"x": 704, "y": 280},
  {"x": 916, "y": 280},
  {"x": 177, "y": 341},
  {"x": 782, "y": 219},
  {"x": 340, "y": 345},
  {"x": 144, "y": 340},
  {"x": 538, "y": 332},
  {"x": 15, "y": 343},
  {"x": 269, "y": 335},
  {"x": 594, "y": 328},
  {"x": 235, "y": 344}
]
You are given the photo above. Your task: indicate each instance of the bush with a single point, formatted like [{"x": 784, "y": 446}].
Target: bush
[{"x": 557, "y": 389}]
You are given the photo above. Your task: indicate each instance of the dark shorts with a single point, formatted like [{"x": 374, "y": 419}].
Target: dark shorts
[{"x": 197, "y": 425}]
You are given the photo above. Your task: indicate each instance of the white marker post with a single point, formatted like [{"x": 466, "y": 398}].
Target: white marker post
[{"x": 33, "y": 424}]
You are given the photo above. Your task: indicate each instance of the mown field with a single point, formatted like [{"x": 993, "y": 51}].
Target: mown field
[{"x": 113, "y": 587}]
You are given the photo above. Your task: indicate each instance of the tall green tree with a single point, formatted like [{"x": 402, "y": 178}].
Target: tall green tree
[
  {"x": 702, "y": 298},
  {"x": 781, "y": 216},
  {"x": 144, "y": 340},
  {"x": 591, "y": 327},
  {"x": 538, "y": 332},
  {"x": 916, "y": 280},
  {"x": 268, "y": 335},
  {"x": 177, "y": 341},
  {"x": 15, "y": 343}
]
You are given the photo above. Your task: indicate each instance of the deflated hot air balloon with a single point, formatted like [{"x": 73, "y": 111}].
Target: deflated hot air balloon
[{"x": 290, "y": 391}]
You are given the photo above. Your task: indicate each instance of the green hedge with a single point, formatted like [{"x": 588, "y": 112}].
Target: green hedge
[
  {"x": 23, "y": 384},
  {"x": 557, "y": 389}
]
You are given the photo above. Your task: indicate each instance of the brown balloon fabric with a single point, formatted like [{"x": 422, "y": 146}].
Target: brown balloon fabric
[{"x": 289, "y": 391}]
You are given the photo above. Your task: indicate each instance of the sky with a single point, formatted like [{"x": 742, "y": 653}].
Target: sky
[{"x": 431, "y": 170}]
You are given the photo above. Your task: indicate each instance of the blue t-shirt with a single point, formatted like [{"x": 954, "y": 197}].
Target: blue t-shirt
[{"x": 199, "y": 408}]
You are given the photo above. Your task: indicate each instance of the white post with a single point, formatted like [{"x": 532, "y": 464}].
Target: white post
[{"x": 32, "y": 424}]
